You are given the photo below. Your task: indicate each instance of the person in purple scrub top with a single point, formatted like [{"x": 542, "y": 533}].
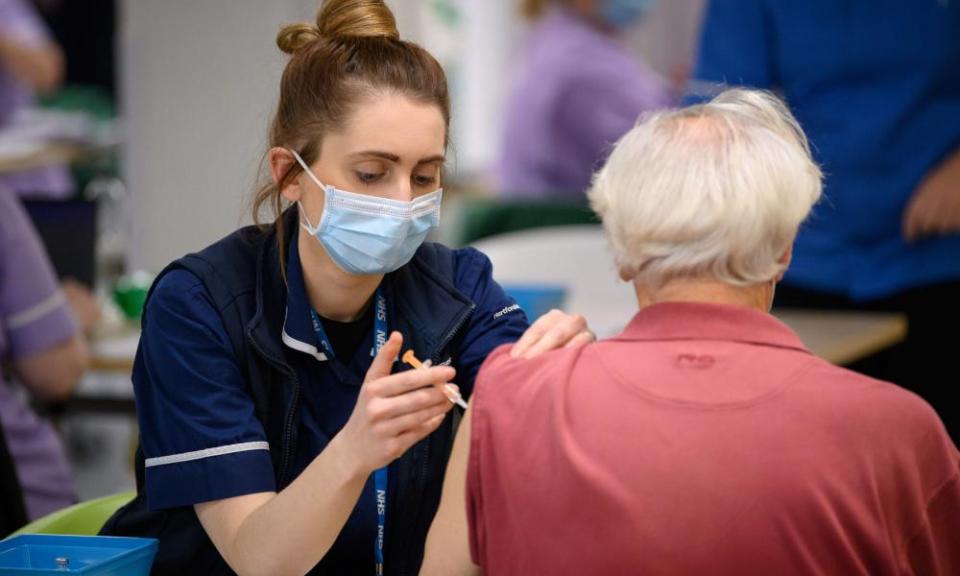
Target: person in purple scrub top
[
  {"x": 578, "y": 90},
  {"x": 41, "y": 341},
  {"x": 31, "y": 63}
]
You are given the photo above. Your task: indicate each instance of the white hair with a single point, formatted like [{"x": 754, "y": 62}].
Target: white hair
[{"x": 715, "y": 190}]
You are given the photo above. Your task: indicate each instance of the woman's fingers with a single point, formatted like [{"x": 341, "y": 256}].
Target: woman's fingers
[
  {"x": 414, "y": 420},
  {"x": 534, "y": 333},
  {"x": 560, "y": 329},
  {"x": 382, "y": 363},
  {"x": 405, "y": 382},
  {"x": 407, "y": 439},
  {"x": 581, "y": 339},
  {"x": 381, "y": 409}
]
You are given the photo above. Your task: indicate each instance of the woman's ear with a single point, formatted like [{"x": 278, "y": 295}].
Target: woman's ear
[{"x": 281, "y": 162}]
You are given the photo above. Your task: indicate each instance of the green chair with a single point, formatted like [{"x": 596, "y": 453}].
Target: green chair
[
  {"x": 483, "y": 217},
  {"x": 83, "y": 519}
]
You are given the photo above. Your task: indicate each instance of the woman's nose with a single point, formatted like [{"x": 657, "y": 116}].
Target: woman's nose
[{"x": 405, "y": 191}]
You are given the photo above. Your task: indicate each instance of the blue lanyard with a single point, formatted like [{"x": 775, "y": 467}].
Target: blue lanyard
[{"x": 379, "y": 476}]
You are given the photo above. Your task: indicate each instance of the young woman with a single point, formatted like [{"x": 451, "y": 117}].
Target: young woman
[{"x": 279, "y": 433}]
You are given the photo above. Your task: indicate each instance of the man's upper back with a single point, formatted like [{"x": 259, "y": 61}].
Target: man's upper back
[{"x": 705, "y": 439}]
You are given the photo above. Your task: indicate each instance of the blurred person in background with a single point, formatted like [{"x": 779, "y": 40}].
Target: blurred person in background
[
  {"x": 706, "y": 438},
  {"x": 578, "y": 89},
  {"x": 41, "y": 344},
  {"x": 31, "y": 63},
  {"x": 876, "y": 85}
]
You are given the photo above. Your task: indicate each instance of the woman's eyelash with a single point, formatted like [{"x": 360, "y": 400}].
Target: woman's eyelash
[{"x": 367, "y": 177}]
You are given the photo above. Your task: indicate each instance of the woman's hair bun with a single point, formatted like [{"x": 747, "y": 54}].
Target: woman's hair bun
[
  {"x": 341, "y": 19},
  {"x": 293, "y": 37},
  {"x": 356, "y": 18}
]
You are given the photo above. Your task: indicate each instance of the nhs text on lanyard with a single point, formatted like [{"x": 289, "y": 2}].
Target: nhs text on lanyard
[{"x": 379, "y": 476}]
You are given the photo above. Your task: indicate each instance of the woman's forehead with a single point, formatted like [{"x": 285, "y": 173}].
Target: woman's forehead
[{"x": 394, "y": 124}]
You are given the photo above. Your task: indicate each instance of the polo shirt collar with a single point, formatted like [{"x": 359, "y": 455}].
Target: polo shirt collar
[{"x": 708, "y": 321}]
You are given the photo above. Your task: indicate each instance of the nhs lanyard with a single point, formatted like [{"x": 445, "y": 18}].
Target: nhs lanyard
[{"x": 379, "y": 476}]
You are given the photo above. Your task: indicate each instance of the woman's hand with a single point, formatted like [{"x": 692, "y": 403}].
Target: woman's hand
[
  {"x": 553, "y": 330},
  {"x": 394, "y": 412}
]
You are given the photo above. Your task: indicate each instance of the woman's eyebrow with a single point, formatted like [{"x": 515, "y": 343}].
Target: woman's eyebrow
[
  {"x": 432, "y": 159},
  {"x": 393, "y": 157},
  {"x": 375, "y": 154}
]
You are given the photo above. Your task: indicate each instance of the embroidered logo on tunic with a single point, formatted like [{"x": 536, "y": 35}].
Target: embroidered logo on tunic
[{"x": 506, "y": 310}]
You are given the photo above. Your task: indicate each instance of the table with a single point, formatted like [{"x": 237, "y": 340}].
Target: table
[
  {"x": 115, "y": 352},
  {"x": 43, "y": 155},
  {"x": 845, "y": 337},
  {"x": 106, "y": 388}
]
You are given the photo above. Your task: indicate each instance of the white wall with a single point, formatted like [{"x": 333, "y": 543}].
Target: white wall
[
  {"x": 667, "y": 39},
  {"x": 198, "y": 82}
]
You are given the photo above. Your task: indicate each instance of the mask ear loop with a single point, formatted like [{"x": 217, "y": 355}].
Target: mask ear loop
[{"x": 303, "y": 213}]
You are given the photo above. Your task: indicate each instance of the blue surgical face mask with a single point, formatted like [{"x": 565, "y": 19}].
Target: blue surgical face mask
[
  {"x": 624, "y": 13},
  {"x": 370, "y": 235}
]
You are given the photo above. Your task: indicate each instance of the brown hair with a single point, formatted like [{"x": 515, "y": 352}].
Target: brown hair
[
  {"x": 352, "y": 52},
  {"x": 533, "y": 9}
]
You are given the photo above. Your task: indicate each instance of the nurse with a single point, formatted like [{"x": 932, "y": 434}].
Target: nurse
[{"x": 278, "y": 433}]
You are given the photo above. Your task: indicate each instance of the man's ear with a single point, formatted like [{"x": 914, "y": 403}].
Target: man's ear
[{"x": 785, "y": 259}]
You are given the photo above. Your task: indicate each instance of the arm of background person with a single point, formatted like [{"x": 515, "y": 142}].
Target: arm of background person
[
  {"x": 47, "y": 352},
  {"x": 27, "y": 51}
]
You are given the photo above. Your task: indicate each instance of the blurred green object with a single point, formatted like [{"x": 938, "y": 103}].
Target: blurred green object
[
  {"x": 83, "y": 519},
  {"x": 489, "y": 217},
  {"x": 81, "y": 98},
  {"x": 130, "y": 294}
]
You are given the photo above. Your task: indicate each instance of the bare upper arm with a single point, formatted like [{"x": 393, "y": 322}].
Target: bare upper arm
[
  {"x": 448, "y": 542},
  {"x": 222, "y": 520}
]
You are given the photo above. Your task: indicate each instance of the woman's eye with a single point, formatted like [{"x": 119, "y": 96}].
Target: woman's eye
[
  {"x": 424, "y": 180},
  {"x": 368, "y": 177}
]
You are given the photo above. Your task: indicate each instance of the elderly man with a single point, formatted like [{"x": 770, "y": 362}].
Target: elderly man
[{"x": 705, "y": 439}]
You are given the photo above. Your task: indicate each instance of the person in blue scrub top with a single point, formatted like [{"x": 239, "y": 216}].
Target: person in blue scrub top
[
  {"x": 876, "y": 86},
  {"x": 279, "y": 433}
]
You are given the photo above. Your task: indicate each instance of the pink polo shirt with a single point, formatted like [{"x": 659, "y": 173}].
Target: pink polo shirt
[{"x": 705, "y": 439}]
